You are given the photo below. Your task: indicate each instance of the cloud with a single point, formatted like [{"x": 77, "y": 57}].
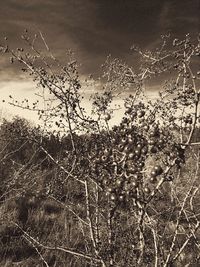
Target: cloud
[
  {"x": 94, "y": 28},
  {"x": 19, "y": 90},
  {"x": 180, "y": 16},
  {"x": 165, "y": 21}
]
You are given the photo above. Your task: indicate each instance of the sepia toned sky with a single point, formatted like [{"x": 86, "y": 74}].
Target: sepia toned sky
[{"x": 92, "y": 29}]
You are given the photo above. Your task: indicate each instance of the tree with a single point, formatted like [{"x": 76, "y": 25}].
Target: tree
[{"x": 129, "y": 187}]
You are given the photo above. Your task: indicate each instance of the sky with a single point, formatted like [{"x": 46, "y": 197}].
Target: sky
[{"x": 93, "y": 29}]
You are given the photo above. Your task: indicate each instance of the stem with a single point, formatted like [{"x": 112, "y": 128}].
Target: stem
[
  {"x": 110, "y": 237},
  {"x": 66, "y": 250},
  {"x": 91, "y": 228},
  {"x": 141, "y": 236}
]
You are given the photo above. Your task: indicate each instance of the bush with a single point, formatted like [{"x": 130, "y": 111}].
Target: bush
[{"x": 93, "y": 193}]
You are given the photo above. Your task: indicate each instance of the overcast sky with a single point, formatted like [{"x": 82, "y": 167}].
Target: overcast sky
[{"x": 92, "y": 29}]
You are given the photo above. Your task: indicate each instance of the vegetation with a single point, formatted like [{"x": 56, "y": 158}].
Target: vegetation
[{"x": 80, "y": 191}]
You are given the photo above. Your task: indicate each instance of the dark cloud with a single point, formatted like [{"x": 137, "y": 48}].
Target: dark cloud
[{"x": 96, "y": 28}]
